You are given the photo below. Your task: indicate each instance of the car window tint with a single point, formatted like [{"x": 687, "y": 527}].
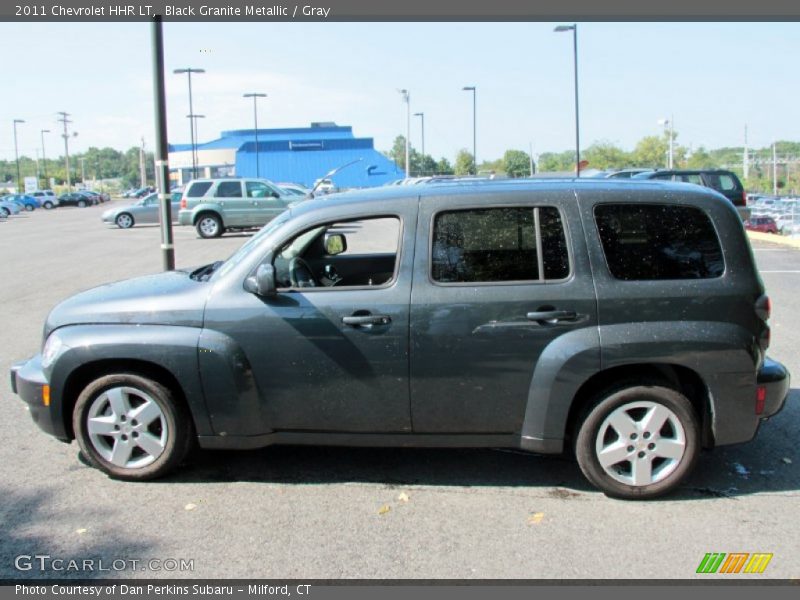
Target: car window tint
[
  {"x": 497, "y": 244},
  {"x": 198, "y": 189},
  {"x": 652, "y": 241},
  {"x": 228, "y": 189},
  {"x": 726, "y": 183},
  {"x": 694, "y": 178}
]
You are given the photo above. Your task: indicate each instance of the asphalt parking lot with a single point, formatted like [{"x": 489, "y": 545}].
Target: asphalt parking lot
[{"x": 361, "y": 513}]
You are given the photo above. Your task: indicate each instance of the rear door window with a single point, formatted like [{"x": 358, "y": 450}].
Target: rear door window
[
  {"x": 658, "y": 241},
  {"x": 228, "y": 189},
  {"x": 499, "y": 245}
]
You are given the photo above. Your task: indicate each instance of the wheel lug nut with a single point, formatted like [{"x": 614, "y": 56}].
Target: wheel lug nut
[
  {"x": 123, "y": 418},
  {"x": 634, "y": 436},
  {"x": 134, "y": 422},
  {"x": 650, "y": 446},
  {"x": 135, "y": 434},
  {"x": 646, "y": 435},
  {"x": 641, "y": 454},
  {"x": 124, "y": 438},
  {"x": 116, "y": 427},
  {"x": 630, "y": 448}
]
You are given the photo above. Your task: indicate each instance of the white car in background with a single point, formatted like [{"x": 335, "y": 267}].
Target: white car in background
[{"x": 47, "y": 198}]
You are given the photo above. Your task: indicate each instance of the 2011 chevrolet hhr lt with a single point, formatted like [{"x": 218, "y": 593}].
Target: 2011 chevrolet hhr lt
[{"x": 624, "y": 321}]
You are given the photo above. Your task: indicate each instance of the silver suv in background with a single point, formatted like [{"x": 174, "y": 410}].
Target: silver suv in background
[
  {"x": 214, "y": 206},
  {"x": 47, "y": 198}
]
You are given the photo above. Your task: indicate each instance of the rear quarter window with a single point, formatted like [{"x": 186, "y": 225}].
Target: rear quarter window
[
  {"x": 198, "y": 189},
  {"x": 644, "y": 242}
]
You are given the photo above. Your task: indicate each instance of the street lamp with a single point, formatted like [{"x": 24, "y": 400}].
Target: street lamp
[
  {"x": 16, "y": 156},
  {"x": 255, "y": 96},
  {"x": 44, "y": 160},
  {"x": 471, "y": 88},
  {"x": 574, "y": 29},
  {"x": 193, "y": 119},
  {"x": 668, "y": 122},
  {"x": 422, "y": 122},
  {"x": 407, "y": 99},
  {"x": 189, "y": 72}
]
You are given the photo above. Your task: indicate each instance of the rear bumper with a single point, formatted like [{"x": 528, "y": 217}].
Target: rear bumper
[
  {"x": 184, "y": 217},
  {"x": 776, "y": 380},
  {"x": 28, "y": 381}
]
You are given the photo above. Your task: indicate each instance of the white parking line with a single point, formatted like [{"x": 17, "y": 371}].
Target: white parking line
[{"x": 779, "y": 271}]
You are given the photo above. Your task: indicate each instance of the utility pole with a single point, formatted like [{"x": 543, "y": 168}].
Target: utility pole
[
  {"x": 745, "y": 161},
  {"x": 83, "y": 170},
  {"x": 422, "y": 122},
  {"x": 774, "y": 170},
  {"x": 142, "y": 170},
  {"x": 65, "y": 121},
  {"x": 530, "y": 156},
  {"x": 162, "y": 148},
  {"x": 407, "y": 99},
  {"x": 44, "y": 161}
]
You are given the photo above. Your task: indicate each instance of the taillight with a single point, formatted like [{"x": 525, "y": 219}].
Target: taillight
[
  {"x": 183, "y": 202},
  {"x": 761, "y": 399}
]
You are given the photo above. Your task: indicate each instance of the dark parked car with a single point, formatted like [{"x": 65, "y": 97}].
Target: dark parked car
[
  {"x": 762, "y": 224},
  {"x": 724, "y": 182},
  {"x": 74, "y": 199},
  {"x": 541, "y": 316}
]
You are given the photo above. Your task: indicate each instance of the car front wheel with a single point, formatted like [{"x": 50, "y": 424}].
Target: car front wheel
[
  {"x": 209, "y": 226},
  {"x": 639, "y": 441},
  {"x": 5, "y": 211},
  {"x": 48, "y": 205},
  {"x": 131, "y": 427},
  {"x": 124, "y": 221},
  {"x": 81, "y": 204},
  {"x": 29, "y": 207}
]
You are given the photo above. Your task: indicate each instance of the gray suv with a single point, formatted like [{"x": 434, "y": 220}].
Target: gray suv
[
  {"x": 216, "y": 205},
  {"x": 624, "y": 321}
]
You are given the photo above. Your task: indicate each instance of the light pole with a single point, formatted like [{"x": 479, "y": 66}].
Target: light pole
[
  {"x": 670, "y": 133},
  {"x": 407, "y": 99},
  {"x": 189, "y": 71},
  {"x": 422, "y": 122},
  {"x": 194, "y": 126},
  {"x": 16, "y": 156},
  {"x": 471, "y": 88},
  {"x": 255, "y": 96},
  {"x": 44, "y": 160},
  {"x": 574, "y": 29}
]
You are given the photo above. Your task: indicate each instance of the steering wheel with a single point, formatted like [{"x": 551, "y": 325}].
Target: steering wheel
[{"x": 300, "y": 274}]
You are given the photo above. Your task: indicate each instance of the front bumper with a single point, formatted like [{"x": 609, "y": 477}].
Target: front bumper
[
  {"x": 28, "y": 381},
  {"x": 776, "y": 380}
]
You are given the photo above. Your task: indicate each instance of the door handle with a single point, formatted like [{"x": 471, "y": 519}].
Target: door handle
[
  {"x": 357, "y": 320},
  {"x": 552, "y": 316}
]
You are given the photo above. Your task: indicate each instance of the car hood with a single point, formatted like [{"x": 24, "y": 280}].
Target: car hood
[{"x": 170, "y": 298}]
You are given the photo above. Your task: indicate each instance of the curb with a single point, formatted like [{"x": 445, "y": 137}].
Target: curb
[{"x": 772, "y": 238}]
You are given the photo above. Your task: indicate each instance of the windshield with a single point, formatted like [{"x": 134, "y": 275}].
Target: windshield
[{"x": 244, "y": 250}]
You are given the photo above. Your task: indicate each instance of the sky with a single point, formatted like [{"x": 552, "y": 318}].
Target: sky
[{"x": 712, "y": 79}]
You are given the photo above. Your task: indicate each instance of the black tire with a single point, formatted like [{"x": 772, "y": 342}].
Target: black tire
[
  {"x": 81, "y": 203},
  {"x": 125, "y": 220},
  {"x": 209, "y": 225},
  {"x": 5, "y": 211},
  {"x": 48, "y": 205},
  {"x": 682, "y": 427},
  {"x": 173, "y": 427},
  {"x": 29, "y": 207}
]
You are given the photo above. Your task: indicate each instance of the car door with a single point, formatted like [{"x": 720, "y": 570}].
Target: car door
[
  {"x": 496, "y": 281},
  {"x": 232, "y": 204},
  {"x": 323, "y": 359},
  {"x": 265, "y": 202}
]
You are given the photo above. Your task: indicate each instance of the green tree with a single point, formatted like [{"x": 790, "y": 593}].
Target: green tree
[
  {"x": 516, "y": 163},
  {"x": 605, "y": 155},
  {"x": 443, "y": 167},
  {"x": 465, "y": 163},
  {"x": 651, "y": 151},
  {"x": 557, "y": 161}
]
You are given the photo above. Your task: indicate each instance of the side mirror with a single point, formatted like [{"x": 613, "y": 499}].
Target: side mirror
[
  {"x": 335, "y": 243},
  {"x": 263, "y": 282}
]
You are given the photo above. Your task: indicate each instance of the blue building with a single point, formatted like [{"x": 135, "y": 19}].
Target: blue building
[{"x": 298, "y": 154}]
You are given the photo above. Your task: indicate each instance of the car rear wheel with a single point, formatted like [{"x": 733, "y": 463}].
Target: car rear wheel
[
  {"x": 209, "y": 226},
  {"x": 639, "y": 441},
  {"x": 81, "y": 203},
  {"x": 131, "y": 427},
  {"x": 5, "y": 211},
  {"x": 48, "y": 205},
  {"x": 29, "y": 207},
  {"x": 124, "y": 221}
]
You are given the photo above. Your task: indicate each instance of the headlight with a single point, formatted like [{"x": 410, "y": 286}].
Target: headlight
[{"x": 52, "y": 348}]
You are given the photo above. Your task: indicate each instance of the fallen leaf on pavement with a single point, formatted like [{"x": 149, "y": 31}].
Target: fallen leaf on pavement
[
  {"x": 535, "y": 518},
  {"x": 82, "y": 530},
  {"x": 384, "y": 509},
  {"x": 403, "y": 497},
  {"x": 190, "y": 506}
]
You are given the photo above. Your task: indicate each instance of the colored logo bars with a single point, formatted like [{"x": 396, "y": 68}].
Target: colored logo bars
[{"x": 736, "y": 562}]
